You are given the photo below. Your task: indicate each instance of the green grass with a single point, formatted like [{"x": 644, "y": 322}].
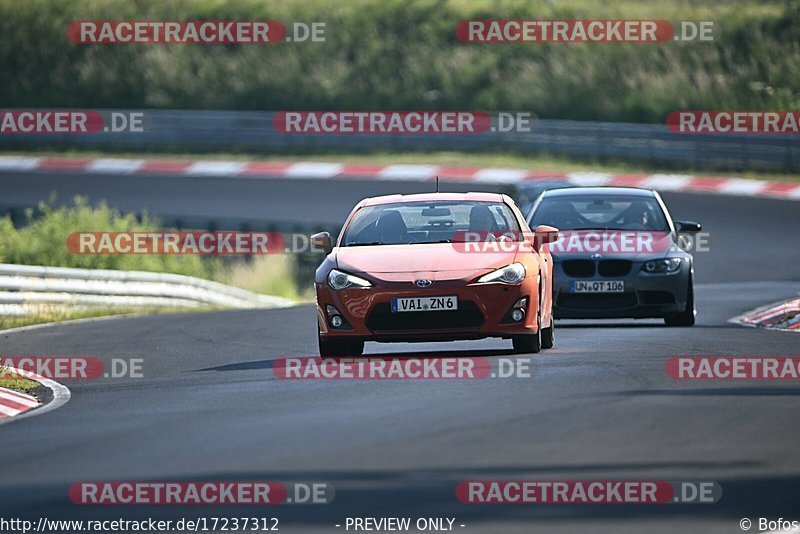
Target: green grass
[
  {"x": 41, "y": 240},
  {"x": 15, "y": 382},
  {"x": 270, "y": 275}
]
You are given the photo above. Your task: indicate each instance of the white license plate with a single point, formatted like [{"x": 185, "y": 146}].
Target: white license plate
[
  {"x": 597, "y": 286},
  {"x": 424, "y": 304}
]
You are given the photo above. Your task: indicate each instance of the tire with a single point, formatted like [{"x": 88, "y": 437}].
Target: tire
[
  {"x": 529, "y": 343},
  {"x": 686, "y": 317},
  {"x": 335, "y": 349},
  {"x": 549, "y": 335}
]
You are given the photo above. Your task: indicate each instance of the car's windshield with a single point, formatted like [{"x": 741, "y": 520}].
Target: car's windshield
[
  {"x": 427, "y": 222},
  {"x": 619, "y": 212}
]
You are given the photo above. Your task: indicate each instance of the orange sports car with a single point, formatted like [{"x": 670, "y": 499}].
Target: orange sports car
[{"x": 434, "y": 267}]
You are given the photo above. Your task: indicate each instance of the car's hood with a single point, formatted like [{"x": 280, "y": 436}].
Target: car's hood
[
  {"x": 637, "y": 257},
  {"x": 435, "y": 259},
  {"x": 600, "y": 244}
]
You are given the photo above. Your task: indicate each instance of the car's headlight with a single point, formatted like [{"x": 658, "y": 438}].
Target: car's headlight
[
  {"x": 510, "y": 274},
  {"x": 339, "y": 280},
  {"x": 664, "y": 265}
]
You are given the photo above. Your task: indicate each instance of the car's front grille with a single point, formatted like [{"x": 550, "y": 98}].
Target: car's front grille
[
  {"x": 588, "y": 268},
  {"x": 578, "y": 268},
  {"x": 596, "y": 301},
  {"x": 614, "y": 267},
  {"x": 381, "y": 318}
]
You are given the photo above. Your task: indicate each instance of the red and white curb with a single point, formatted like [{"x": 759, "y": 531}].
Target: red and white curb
[
  {"x": 779, "y": 316},
  {"x": 13, "y": 403},
  {"x": 324, "y": 171},
  {"x": 15, "y": 406}
]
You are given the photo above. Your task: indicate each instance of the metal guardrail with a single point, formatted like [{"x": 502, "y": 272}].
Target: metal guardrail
[
  {"x": 27, "y": 288},
  {"x": 184, "y": 130}
]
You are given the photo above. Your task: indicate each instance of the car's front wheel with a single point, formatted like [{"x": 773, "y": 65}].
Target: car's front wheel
[
  {"x": 331, "y": 349},
  {"x": 549, "y": 335},
  {"x": 686, "y": 317},
  {"x": 529, "y": 343}
]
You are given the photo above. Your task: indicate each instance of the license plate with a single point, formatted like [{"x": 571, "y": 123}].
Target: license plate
[
  {"x": 424, "y": 304},
  {"x": 597, "y": 286}
]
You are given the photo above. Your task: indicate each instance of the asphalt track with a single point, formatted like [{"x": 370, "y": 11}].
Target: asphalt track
[{"x": 598, "y": 406}]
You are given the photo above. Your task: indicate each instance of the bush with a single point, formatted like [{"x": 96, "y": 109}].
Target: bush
[
  {"x": 43, "y": 241},
  {"x": 403, "y": 54}
]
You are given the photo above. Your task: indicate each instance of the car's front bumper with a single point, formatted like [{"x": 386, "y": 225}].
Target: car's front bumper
[
  {"x": 482, "y": 312},
  {"x": 646, "y": 295}
]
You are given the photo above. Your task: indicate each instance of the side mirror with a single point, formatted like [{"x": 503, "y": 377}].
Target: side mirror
[
  {"x": 687, "y": 227},
  {"x": 544, "y": 234},
  {"x": 322, "y": 241}
]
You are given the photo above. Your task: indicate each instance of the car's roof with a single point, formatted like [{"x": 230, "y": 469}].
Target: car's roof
[
  {"x": 545, "y": 180},
  {"x": 579, "y": 191},
  {"x": 431, "y": 197}
]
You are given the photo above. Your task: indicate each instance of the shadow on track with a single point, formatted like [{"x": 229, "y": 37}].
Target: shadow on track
[{"x": 422, "y": 355}]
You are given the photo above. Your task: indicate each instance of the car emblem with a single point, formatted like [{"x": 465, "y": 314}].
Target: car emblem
[{"x": 423, "y": 282}]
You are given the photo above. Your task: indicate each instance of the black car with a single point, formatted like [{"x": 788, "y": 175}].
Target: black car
[{"x": 618, "y": 255}]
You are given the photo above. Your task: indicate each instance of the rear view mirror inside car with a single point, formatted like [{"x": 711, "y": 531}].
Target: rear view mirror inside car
[{"x": 436, "y": 212}]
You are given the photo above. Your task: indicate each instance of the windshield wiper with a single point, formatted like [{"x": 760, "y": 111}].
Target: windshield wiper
[{"x": 365, "y": 244}]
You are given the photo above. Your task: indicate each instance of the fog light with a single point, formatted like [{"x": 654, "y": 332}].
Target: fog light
[
  {"x": 336, "y": 321},
  {"x": 650, "y": 266},
  {"x": 517, "y": 315}
]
